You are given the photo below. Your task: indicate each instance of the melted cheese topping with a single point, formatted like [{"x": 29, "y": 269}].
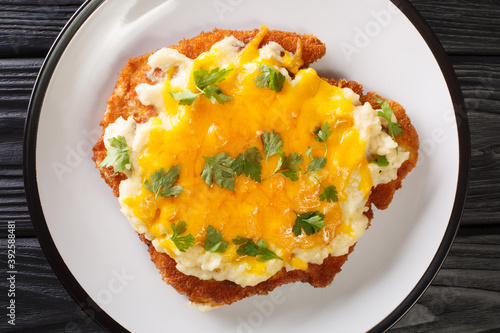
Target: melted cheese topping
[{"x": 183, "y": 135}]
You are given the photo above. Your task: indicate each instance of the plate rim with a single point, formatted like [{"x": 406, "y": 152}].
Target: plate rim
[
  {"x": 79, "y": 294},
  {"x": 464, "y": 150},
  {"x": 64, "y": 275}
]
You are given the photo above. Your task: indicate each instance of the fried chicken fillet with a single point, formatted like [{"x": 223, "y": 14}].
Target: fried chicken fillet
[{"x": 125, "y": 103}]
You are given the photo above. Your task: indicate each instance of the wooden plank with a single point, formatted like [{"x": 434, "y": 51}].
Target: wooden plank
[
  {"x": 479, "y": 79},
  {"x": 42, "y": 303},
  {"x": 461, "y": 299},
  {"x": 450, "y": 309},
  {"x": 464, "y": 27},
  {"x": 13, "y": 202},
  {"x": 484, "y": 188},
  {"x": 29, "y": 28},
  {"x": 465, "y": 295},
  {"x": 17, "y": 77}
]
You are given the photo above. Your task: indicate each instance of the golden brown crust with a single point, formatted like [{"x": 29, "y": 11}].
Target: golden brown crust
[
  {"x": 381, "y": 196},
  {"x": 313, "y": 48},
  {"x": 124, "y": 103},
  {"x": 215, "y": 293}
]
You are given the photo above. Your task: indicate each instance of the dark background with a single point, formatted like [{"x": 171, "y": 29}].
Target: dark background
[{"x": 465, "y": 295}]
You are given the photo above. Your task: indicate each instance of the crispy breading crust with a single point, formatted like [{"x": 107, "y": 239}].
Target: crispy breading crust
[
  {"x": 215, "y": 293},
  {"x": 125, "y": 103}
]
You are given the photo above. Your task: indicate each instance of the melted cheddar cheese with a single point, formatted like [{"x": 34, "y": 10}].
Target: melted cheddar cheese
[{"x": 184, "y": 134}]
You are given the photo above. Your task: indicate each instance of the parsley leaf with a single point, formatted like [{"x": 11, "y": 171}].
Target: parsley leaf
[
  {"x": 316, "y": 164},
  {"x": 309, "y": 151},
  {"x": 246, "y": 246},
  {"x": 263, "y": 253},
  {"x": 161, "y": 182},
  {"x": 381, "y": 161},
  {"x": 272, "y": 143},
  {"x": 181, "y": 242},
  {"x": 311, "y": 222},
  {"x": 288, "y": 166},
  {"x": 249, "y": 164},
  {"x": 204, "y": 82},
  {"x": 218, "y": 168},
  {"x": 322, "y": 133},
  {"x": 270, "y": 78},
  {"x": 386, "y": 113},
  {"x": 214, "y": 242},
  {"x": 203, "y": 78},
  {"x": 117, "y": 156},
  {"x": 185, "y": 97},
  {"x": 215, "y": 93},
  {"x": 329, "y": 194}
]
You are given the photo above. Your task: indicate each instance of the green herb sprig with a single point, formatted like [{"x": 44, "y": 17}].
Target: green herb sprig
[
  {"x": 321, "y": 135},
  {"x": 246, "y": 246},
  {"x": 181, "y": 242},
  {"x": 214, "y": 242},
  {"x": 381, "y": 161},
  {"x": 329, "y": 193},
  {"x": 249, "y": 164},
  {"x": 204, "y": 82},
  {"x": 269, "y": 78},
  {"x": 117, "y": 156},
  {"x": 218, "y": 168},
  {"x": 162, "y": 183},
  {"x": 272, "y": 142},
  {"x": 310, "y": 222},
  {"x": 393, "y": 128},
  {"x": 288, "y": 166}
]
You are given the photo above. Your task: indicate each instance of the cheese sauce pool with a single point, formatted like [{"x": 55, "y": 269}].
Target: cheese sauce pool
[{"x": 184, "y": 134}]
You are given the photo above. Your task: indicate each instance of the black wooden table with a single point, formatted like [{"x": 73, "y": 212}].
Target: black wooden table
[{"x": 465, "y": 295}]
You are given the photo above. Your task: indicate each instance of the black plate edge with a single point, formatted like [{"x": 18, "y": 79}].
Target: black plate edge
[
  {"x": 463, "y": 172},
  {"x": 30, "y": 178},
  {"x": 77, "y": 291}
]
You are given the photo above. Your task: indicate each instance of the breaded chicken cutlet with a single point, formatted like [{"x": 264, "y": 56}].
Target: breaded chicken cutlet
[{"x": 125, "y": 103}]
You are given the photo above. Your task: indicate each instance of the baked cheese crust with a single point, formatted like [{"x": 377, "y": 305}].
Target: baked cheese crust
[{"x": 125, "y": 103}]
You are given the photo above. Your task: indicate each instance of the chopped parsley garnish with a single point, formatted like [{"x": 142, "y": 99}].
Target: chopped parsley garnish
[
  {"x": 288, "y": 166},
  {"x": 218, "y": 168},
  {"x": 246, "y": 246},
  {"x": 214, "y": 242},
  {"x": 162, "y": 182},
  {"x": 269, "y": 78},
  {"x": 386, "y": 113},
  {"x": 272, "y": 143},
  {"x": 381, "y": 161},
  {"x": 184, "y": 97},
  {"x": 117, "y": 156},
  {"x": 311, "y": 222},
  {"x": 249, "y": 164},
  {"x": 204, "y": 82},
  {"x": 181, "y": 242},
  {"x": 329, "y": 192},
  {"x": 321, "y": 135},
  {"x": 317, "y": 163}
]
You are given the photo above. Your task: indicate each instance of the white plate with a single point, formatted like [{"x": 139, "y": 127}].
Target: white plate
[{"x": 100, "y": 259}]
